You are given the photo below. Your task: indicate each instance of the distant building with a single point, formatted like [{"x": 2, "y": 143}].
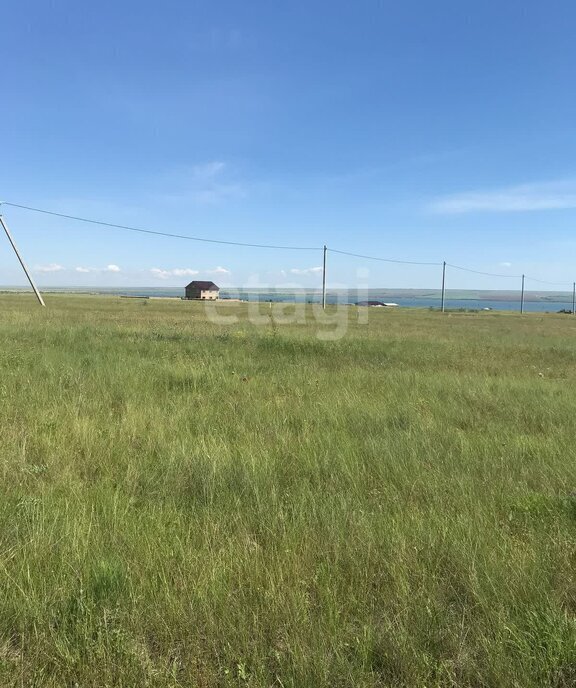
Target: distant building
[{"x": 202, "y": 290}]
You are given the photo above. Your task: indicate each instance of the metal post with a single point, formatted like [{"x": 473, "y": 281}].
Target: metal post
[
  {"x": 28, "y": 275},
  {"x": 522, "y": 297},
  {"x": 443, "y": 284},
  {"x": 324, "y": 279},
  {"x": 573, "y": 297}
]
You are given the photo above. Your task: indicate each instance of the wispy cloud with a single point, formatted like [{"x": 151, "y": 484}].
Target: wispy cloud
[
  {"x": 205, "y": 184},
  {"x": 109, "y": 268},
  {"x": 218, "y": 271},
  {"x": 305, "y": 271},
  {"x": 208, "y": 170},
  {"x": 505, "y": 264},
  {"x": 159, "y": 273},
  {"x": 51, "y": 267},
  {"x": 554, "y": 195},
  {"x": 164, "y": 274}
]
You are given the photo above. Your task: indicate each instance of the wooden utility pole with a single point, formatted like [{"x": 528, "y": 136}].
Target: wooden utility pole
[
  {"x": 324, "y": 278},
  {"x": 522, "y": 297},
  {"x": 22, "y": 263},
  {"x": 443, "y": 284}
]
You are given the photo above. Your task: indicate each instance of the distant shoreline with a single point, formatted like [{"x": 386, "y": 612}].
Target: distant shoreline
[{"x": 428, "y": 296}]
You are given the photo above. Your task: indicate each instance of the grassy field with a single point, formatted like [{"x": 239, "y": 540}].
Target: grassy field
[{"x": 191, "y": 504}]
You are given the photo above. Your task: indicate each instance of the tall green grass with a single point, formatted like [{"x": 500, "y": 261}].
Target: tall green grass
[{"x": 187, "y": 504}]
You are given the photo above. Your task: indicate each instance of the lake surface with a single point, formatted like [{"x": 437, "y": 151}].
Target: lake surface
[{"x": 406, "y": 298}]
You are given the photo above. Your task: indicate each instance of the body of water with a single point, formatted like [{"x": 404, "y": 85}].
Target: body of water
[{"x": 405, "y": 298}]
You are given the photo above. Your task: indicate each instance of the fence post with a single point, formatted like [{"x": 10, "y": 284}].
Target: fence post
[
  {"x": 324, "y": 279},
  {"x": 443, "y": 285},
  {"x": 522, "y": 297}
]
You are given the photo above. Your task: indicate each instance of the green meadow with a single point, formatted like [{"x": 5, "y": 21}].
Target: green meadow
[{"x": 197, "y": 504}]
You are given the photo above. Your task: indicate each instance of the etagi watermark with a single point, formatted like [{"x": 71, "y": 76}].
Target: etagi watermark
[{"x": 302, "y": 307}]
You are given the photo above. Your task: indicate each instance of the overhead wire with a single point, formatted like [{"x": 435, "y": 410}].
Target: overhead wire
[
  {"x": 558, "y": 284},
  {"x": 495, "y": 274},
  {"x": 479, "y": 272},
  {"x": 384, "y": 260},
  {"x": 160, "y": 233},
  {"x": 172, "y": 235}
]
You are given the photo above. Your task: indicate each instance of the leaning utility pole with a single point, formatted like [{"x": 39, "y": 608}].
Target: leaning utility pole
[{"x": 28, "y": 275}]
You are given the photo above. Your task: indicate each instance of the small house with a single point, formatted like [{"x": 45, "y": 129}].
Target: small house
[{"x": 202, "y": 290}]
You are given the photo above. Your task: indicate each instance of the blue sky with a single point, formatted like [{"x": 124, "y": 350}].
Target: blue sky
[{"x": 416, "y": 130}]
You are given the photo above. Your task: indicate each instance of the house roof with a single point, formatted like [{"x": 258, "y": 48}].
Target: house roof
[{"x": 204, "y": 286}]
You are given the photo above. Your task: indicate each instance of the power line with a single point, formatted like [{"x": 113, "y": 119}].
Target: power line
[
  {"x": 495, "y": 274},
  {"x": 558, "y": 284},
  {"x": 478, "y": 272},
  {"x": 384, "y": 260},
  {"x": 159, "y": 233},
  {"x": 141, "y": 230}
]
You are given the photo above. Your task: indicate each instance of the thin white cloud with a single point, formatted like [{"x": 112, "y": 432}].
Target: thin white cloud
[
  {"x": 51, "y": 267},
  {"x": 306, "y": 271},
  {"x": 555, "y": 195},
  {"x": 218, "y": 271},
  {"x": 159, "y": 273},
  {"x": 505, "y": 264},
  {"x": 204, "y": 184},
  {"x": 85, "y": 270},
  {"x": 180, "y": 272},
  {"x": 208, "y": 170},
  {"x": 163, "y": 274}
]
